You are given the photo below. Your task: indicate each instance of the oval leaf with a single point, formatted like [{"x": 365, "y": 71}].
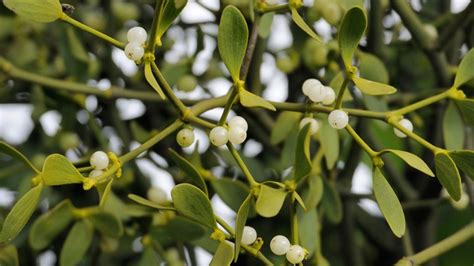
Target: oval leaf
[
  {"x": 106, "y": 223},
  {"x": 453, "y": 128},
  {"x": 9, "y": 256},
  {"x": 50, "y": 225},
  {"x": 148, "y": 257},
  {"x": 467, "y": 109},
  {"x": 413, "y": 161},
  {"x": 58, "y": 170},
  {"x": 40, "y": 11},
  {"x": 464, "y": 160},
  {"x": 350, "y": 32},
  {"x": 465, "y": 73},
  {"x": 331, "y": 202},
  {"x": 372, "y": 68},
  {"x": 232, "y": 192},
  {"x": 269, "y": 201},
  {"x": 192, "y": 173},
  {"x": 191, "y": 202},
  {"x": 14, "y": 153},
  {"x": 240, "y": 222},
  {"x": 177, "y": 229},
  {"x": 232, "y": 40},
  {"x": 372, "y": 87},
  {"x": 20, "y": 214},
  {"x": 77, "y": 243},
  {"x": 448, "y": 175},
  {"x": 329, "y": 139},
  {"x": 388, "y": 203},
  {"x": 224, "y": 254},
  {"x": 285, "y": 122},
  {"x": 302, "y": 165},
  {"x": 249, "y": 99},
  {"x": 302, "y": 24}
]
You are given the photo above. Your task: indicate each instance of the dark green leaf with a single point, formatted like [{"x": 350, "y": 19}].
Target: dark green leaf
[
  {"x": 191, "y": 202},
  {"x": 169, "y": 13},
  {"x": 467, "y": 109},
  {"x": 453, "y": 128},
  {"x": 448, "y": 175},
  {"x": 240, "y": 222},
  {"x": 51, "y": 224},
  {"x": 465, "y": 73},
  {"x": 77, "y": 243},
  {"x": 249, "y": 99},
  {"x": 148, "y": 257},
  {"x": 412, "y": 160},
  {"x": 20, "y": 214},
  {"x": 232, "y": 192},
  {"x": 192, "y": 173},
  {"x": 177, "y": 229},
  {"x": 388, "y": 203},
  {"x": 464, "y": 160},
  {"x": 331, "y": 202},
  {"x": 302, "y": 165},
  {"x": 302, "y": 24},
  {"x": 270, "y": 200},
  {"x": 106, "y": 223},
  {"x": 232, "y": 40},
  {"x": 58, "y": 170},
  {"x": 350, "y": 32},
  {"x": 14, "y": 153},
  {"x": 9, "y": 256},
  {"x": 285, "y": 122},
  {"x": 372, "y": 87},
  {"x": 224, "y": 254}
]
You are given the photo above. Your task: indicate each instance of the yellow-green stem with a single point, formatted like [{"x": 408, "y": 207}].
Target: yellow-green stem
[
  {"x": 340, "y": 94},
  {"x": 242, "y": 165},
  {"x": 169, "y": 91},
  {"x": 361, "y": 142}
]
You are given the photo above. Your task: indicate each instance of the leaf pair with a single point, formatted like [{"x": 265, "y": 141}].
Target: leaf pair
[
  {"x": 350, "y": 33},
  {"x": 447, "y": 170}
]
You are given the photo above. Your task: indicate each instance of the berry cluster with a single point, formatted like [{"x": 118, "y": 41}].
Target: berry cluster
[
  {"x": 280, "y": 245},
  {"x": 99, "y": 160},
  {"x": 136, "y": 37},
  {"x": 236, "y": 132}
]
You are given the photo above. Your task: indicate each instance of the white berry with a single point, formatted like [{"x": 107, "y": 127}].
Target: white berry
[
  {"x": 134, "y": 51},
  {"x": 95, "y": 173},
  {"x": 99, "y": 160},
  {"x": 406, "y": 124},
  {"x": 157, "y": 195},
  {"x": 185, "y": 137},
  {"x": 137, "y": 34},
  {"x": 295, "y": 254},
  {"x": 237, "y": 135},
  {"x": 238, "y": 121},
  {"x": 219, "y": 136},
  {"x": 308, "y": 84},
  {"x": 280, "y": 245},
  {"x": 249, "y": 235},
  {"x": 338, "y": 119},
  {"x": 313, "y": 124},
  {"x": 330, "y": 96}
]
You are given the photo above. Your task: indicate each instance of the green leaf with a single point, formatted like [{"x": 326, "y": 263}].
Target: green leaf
[
  {"x": 191, "y": 202},
  {"x": 9, "y": 256},
  {"x": 58, "y": 170},
  {"x": 169, "y": 13},
  {"x": 453, "y": 128},
  {"x": 105, "y": 194},
  {"x": 412, "y": 160},
  {"x": 224, "y": 254},
  {"x": 448, "y": 175},
  {"x": 232, "y": 192},
  {"x": 302, "y": 24},
  {"x": 265, "y": 24},
  {"x": 331, "y": 202},
  {"x": 315, "y": 191},
  {"x": 148, "y": 203},
  {"x": 285, "y": 122},
  {"x": 20, "y": 214},
  {"x": 192, "y": 173},
  {"x": 302, "y": 165},
  {"x": 249, "y": 99},
  {"x": 50, "y": 225},
  {"x": 329, "y": 139},
  {"x": 467, "y": 109},
  {"x": 465, "y": 73},
  {"x": 14, "y": 153},
  {"x": 307, "y": 224},
  {"x": 177, "y": 229},
  {"x": 372, "y": 68},
  {"x": 298, "y": 199},
  {"x": 232, "y": 40},
  {"x": 270, "y": 200},
  {"x": 106, "y": 223},
  {"x": 148, "y": 257},
  {"x": 150, "y": 78},
  {"x": 372, "y": 87},
  {"x": 75, "y": 45},
  {"x": 464, "y": 160},
  {"x": 77, "y": 243},
  {"x": 240, "y": 222},
  {"x": 388, "y": 203},
  {"x": 39, "y": 11},
  {"x": 350, "y": 32}
]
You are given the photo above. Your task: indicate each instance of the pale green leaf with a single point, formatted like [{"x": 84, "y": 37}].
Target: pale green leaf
[
  {"x": 249, "y": 99},
  {"x": 232, "y": 40},
  {"x": 285, "y": 122},
  {"x": 350, "y": 32},
  {"x": 106, "y": 192},
  {"x": 412, "y": 160},
  {"x": 329, "y": 139},
  {"x": 265, "y": 24},
  {"x": 453, "y": 128},
  {"x": 14, "y": 153},
  {"x": 20, "y": 214},
  {"x": 58, "y": 170},
  {"x": 302, "y": 24},
  {"x": 448, "y": 175},
  {"x": 388, "y": 203},
  {"x": 465, "y": 73},
  {"x": 49, "y": 225},
  {"x": 372, "y": 68},
  {"x": 148, "y": 203},
  {"x": 232, "y": 192},
  {"x": 43, "y": 11},
  {"x": 302, "y": 164},
  {"x": 192, "y": 203},
  {"x": 150, "y": 78},
  {"x": 298, "y": 199},
  {"x": 148, "y": 257},
  {"x": 224, "y": 254},
  {"x": 465, "y": 161},
  {"x": 270, "y": 200},
  {"x": 9, "y": 256},
  {"x": 240, "y": 222},
  {"x": 169, "y": 13},
  {"x": 372, "y": 87},
  {"x": 106, "y": 223},
  {"x": 307, "y": 223},
  {"x": 77, "y": 243},
  {"x": 315, "y": 191},
  {"x": 191, "y": 172}
]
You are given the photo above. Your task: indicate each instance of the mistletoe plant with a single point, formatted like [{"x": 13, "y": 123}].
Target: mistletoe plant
[{"x": 300, "y": 185}]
